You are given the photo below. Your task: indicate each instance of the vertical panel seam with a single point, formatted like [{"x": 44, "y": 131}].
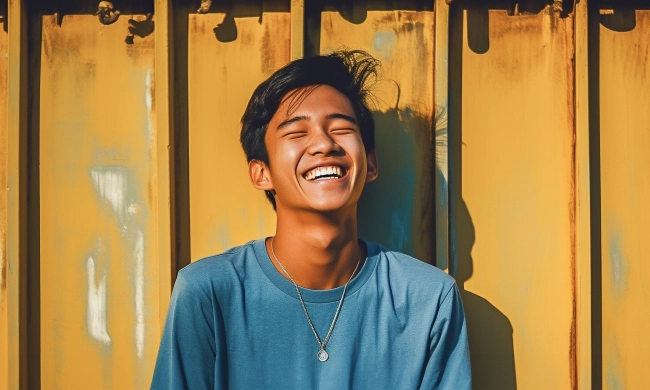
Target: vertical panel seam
[
  {"x": 163, "y": 70},
  {"x": 582, "y": 234},
  {"x": 441, "y": 100},
  {"x": 16, "y": 195}
]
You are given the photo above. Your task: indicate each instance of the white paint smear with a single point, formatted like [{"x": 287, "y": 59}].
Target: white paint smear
[
  {"x": 149, "y": 103},
  {"x": 110, "y": 184},
  {"x": 96, "y": 313},
  {"x": 148, "y": 80},
  {"x": 138, "y": 253}
]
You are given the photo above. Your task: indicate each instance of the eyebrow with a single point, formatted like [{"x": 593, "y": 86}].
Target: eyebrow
[{"x": 306, "y": 117}]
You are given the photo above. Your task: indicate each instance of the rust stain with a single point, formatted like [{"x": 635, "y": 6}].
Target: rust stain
[
  {"x": 247, "y": 37},
  {"x": 327, "y": 27},
  {"x": 573, "y": 354},
  {"x": 570, "y": 98},
  {"x": 3, "y": 159},
  {"x": 197, "y": 25},
  {"x": 274, "y": 52},
  {"x": 408, "y": 27},
  {"x": 503, "y": 26},
  {"x": 267, "y": 55}
]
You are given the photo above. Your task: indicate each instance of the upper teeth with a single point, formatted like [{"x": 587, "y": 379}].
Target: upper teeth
[{"x": 319, "y": 172}]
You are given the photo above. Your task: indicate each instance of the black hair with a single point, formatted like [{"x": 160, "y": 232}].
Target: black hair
[{"x": 351, "y": 72}]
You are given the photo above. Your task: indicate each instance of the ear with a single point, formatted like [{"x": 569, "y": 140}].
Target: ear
[
  {"x": 260, "y": 175},
  {"x": 373, "y": 166}
]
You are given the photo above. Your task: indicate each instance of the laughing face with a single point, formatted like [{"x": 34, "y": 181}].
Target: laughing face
[{"x": 317, "y": 160}]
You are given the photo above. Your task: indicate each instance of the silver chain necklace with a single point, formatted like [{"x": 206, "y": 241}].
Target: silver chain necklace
[{"x": 322, "y": 354}]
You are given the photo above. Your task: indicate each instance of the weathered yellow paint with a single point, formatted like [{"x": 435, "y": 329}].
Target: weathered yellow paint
[
  {"x": 163, "y": 96},
  {"x": 403, "y": 192},
  {"x": 625, "y": 183},
  {"x": 518, "y": 169},
  {"x": 297, "y": 29},
  {"x": 514, "y": 212},
  {"x": 100, "y": 324},
  {"x": 4, "y": 143},
  {"x": 583, "y": 202},
  {"x": 225, "y": 210},
  {"x": 16, "y": 249}
]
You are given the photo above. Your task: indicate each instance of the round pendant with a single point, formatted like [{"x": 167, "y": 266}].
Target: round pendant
[{"x": 323, "y": 355}]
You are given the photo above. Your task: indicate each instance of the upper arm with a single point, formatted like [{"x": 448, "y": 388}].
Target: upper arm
[
  {"x": 186, "y": 358},
  {"x": 448, "y": 366}
]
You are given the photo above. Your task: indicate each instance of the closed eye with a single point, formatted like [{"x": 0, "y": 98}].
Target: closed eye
[
  {"x": 343, "y": 130},
  {"x": 295, "y": 134}
]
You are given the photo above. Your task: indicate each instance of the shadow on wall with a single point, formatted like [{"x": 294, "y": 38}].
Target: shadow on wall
[
  {"x": 386, "y": 205},
  {"x": 478, "y": 17},
  {"x": 489, "y": 331},
  {"x": 3, "y": 16},
  {"x": 354, "y": 12},
  {"x": 386, "y": 215}
]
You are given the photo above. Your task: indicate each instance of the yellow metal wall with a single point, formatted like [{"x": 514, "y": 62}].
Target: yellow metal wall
[
  {"x": 403, "y": 113},
  {"x": 135, "y": 165},
  {"x": 98, "y": 226},
  {"x": 625, "y": 180},
  {"x": 4, "y": 141},
  {"x": 225, "y": 210},
  {"x": 513, "y": 202}
]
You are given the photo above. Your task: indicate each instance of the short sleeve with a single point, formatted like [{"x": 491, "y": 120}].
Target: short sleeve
[
  {"x": 186, "y": 358},
  {"x": 448, "y": 366}
]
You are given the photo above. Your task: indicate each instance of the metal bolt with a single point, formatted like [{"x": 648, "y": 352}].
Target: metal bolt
[
  {"x": 205, "y": 6},
  {"x": 106, "y": 12}
]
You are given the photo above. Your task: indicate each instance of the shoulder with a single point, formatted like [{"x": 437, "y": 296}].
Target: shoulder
[
  {"x": 413, "y": 276},
  {"x": 405, "y": 266},
  {"x": 220, "y": 272}
]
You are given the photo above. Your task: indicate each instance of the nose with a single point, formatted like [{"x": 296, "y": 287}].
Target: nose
[{"x": 322, "y": 143}]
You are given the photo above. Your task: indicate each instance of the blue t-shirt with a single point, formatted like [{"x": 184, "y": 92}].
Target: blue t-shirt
[{"x": 235, "y": 322}]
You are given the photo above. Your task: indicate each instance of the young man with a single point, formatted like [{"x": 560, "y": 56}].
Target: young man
[{"x": 313, "y": 307}]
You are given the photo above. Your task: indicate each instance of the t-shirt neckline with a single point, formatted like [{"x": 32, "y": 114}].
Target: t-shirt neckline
[{"x": 309, "y": 295}]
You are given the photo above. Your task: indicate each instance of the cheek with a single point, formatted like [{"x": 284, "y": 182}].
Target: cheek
[
  {"x": 285, "y": 158},
  {"x": 357, "y": 152},
  {"x": 290, "y": 152},
  {"x": 292, "y": 149}
]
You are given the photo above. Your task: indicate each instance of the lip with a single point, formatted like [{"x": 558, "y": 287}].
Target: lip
[{"x": 344, "y": 169}]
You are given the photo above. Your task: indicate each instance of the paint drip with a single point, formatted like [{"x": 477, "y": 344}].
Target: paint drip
[{"x": 96, "y": 308}]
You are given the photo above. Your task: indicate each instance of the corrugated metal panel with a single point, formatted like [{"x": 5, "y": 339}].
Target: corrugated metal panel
[
  {"x": 228, "y": 56},
  {"x": 99, "y": 263},
  {"x": 513, "y": 201},
  {"x": 403, "y": 41},
  {"x": 16, "y": 260},
  {"x": 4, "y": 144},
  {"x": 625, "y": 182},
  {"x": 584, "y": 350}
]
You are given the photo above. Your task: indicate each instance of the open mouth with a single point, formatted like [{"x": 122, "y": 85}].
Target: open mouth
[{"x": 325, "y": 173}]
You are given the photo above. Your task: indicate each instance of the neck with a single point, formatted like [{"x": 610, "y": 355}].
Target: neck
[{"x": 319, "y": 252}]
